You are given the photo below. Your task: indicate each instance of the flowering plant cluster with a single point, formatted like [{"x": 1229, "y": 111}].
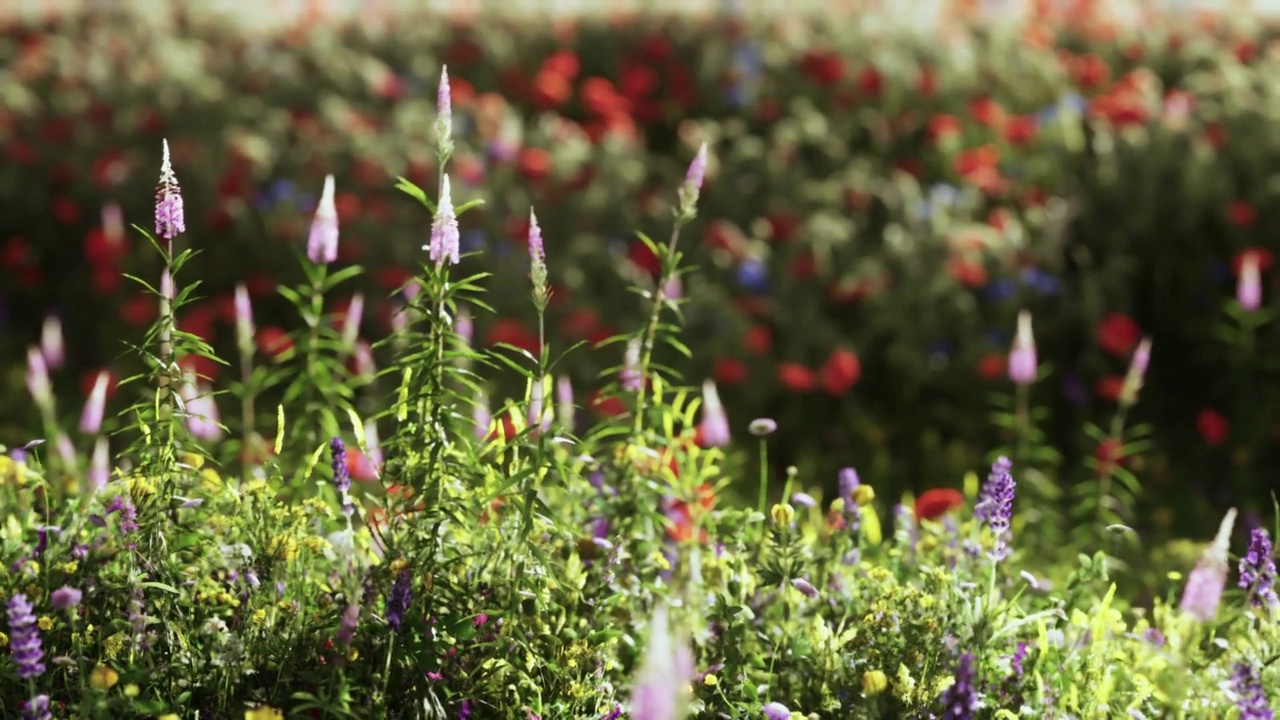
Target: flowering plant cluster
[
  {"x": 442, "y": 555},
  {"x": 1112, "y": 182}
]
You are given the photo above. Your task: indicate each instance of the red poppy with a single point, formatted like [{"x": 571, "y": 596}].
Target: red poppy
[
  {"x": 1109, "y": 387},
  {"x": 391, "y": 277},
  {"x": 936, "y": 502},
  {"x": 106, "y": 278},
  {"x": 870, "y": 82},
  {"x": 274, "y": 341},
  {"x": 1089, "y": 71},
  {"x": 1021, "y": 129},
  {"x": 1242, "y": 214},
  {"x": 730, "y": 371},
  {"x": 1118, "y": 335},
  {"x": 992, "y": 366},
  {"x": 840, "y": 372},
  {"x": 796, "y": 377},
  {"x": 600, "y": 99},
  {"x": 637, "y": 81},
  {"x": 505, "y": 423},
  {"x": 551, "y": 90},
  {"x": 759, "y": 339},
  {"x": 823, "y": 67},
  {"x": 804, "y": 266},
  {"x": 563, "y": 63},
  {"x": 1212, "y": 427},
  {"x": 514, "y": 333},
  {"x": 1261, "y": 256},
  {"x": 260, "y": 286},
  {"x": 66, "y": 211}
]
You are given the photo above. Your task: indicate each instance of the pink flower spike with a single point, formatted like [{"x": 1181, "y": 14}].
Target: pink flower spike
[
  {"x": 51, "y": 344},
  {"x": 537, "y": 254},
  {"x": 1249, "y": 288},
  {"x": 1203, "y": 592},
  {"x": 95, "y": 406},
  {"x": 99, "y": 467},
  {"x": 697, "y": 169},
  {"x": 38, "y": 378},
  {"x": 444, "y": 105},
  {"x": 444, "y": 245},
  {"x": 322, "y": 243},
  {"x": 715, "y": 422},
  {"x": 351, "y": 322},
  {"x": 169, "y": 215},
  {"x": 244, "y": 318},
  {"x": 1022, "y": 357}
]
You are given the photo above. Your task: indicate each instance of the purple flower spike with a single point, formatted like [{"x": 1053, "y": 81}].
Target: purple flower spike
[
  {"x": 805, "y": 587},
  {"x": 398, "y": 600},
  {"x": 697, "y": 172},
  {"x": 995, "y": 506},
  {"x": 960, "y": 701},
  {"x": 51, "y": 342},
  {"x": 37, "y": 708},
  {"x": 95, "y": 406},
  {"x": 445, "y": 237},
  {"x": 24, "y": 638},
  {"x": 444, "y": 112},
  {"x": 347, "y": 627},
  {"x": 169, "y": 216},
  {"x": 341, "y": 475},
  {"x": 1258, "y": 570},
  {"x": 1249, "y": 288},
  {"x": 322, "y": 243},
  {"x": 1251, "y": 696}
]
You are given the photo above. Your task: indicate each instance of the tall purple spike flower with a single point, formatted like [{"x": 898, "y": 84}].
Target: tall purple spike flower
[
  {"x": 99, "y": 467},
  {"x": 960, "y": 701},
  {"x": 95, "y": 406},
  {"x": 398, "y": 600},
  {"x": 692, "y": 186},
  {"x": 715, "y": 421},
  {"x": 1258, "y": 570},
  {"x": 1203, "y": 593},
  {"x": 169, "y": 216},
  {"x": 1136, "y": 374},
  {"x": 1022, "y": 357},
  {"x": 995, "y": 505},
  {"x": 322, "y": 242},
  {"x": 537, "y": 262},
  {"x": 341, "y": 475},
  {"x": 1249, "y": 287},
  {"x": 37, "y": 708},
  {"x": 445, "y": 237},
  {"x": 347, "y": 626},
  {"x": 1251, "y": 696},
  {"x": 849, "y": 483},
  {"x": 481, "y": 416},
  {"x": 24, "y": 638}
]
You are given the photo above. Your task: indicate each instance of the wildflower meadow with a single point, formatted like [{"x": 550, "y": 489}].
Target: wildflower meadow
[{"x": 312, "y": 523}]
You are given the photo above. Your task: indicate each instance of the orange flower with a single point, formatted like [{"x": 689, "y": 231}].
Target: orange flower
[{"x": 933, "y": 504}]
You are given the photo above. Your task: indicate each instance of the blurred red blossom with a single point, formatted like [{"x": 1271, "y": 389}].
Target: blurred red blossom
[{"x": 1212, "y": 427}]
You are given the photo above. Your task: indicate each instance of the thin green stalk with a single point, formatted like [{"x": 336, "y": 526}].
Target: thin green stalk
[{"x": 651, "y": 329}]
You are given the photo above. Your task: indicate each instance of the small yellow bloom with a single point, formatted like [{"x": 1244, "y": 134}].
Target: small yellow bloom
[
  {"x": 259, "y": 616},
  {"x": 864, "y": 494},
  {"x": 169, "y": 716},
  {"x": 263, "y": 712},
  {"x": 397, "y": 565},
  {"x": 114, "y": 645},
  {"x": 874, "y": 682},
  {"x": 837, "y": 506},
  {"x": 4, "y": 640},
  {"x": 195, "y": 460},
  {"x": 103, "y": 678},
  {"x": 783, "y": 514},
  {"x": 70, "y": 567},
  {"x": 711, "y": 680},
  {"x": 353, "y": 655},
  {"x": 660, "y": 560},
  {"x": 45, "y": 623},
  {"x": 131, "y": 690}
]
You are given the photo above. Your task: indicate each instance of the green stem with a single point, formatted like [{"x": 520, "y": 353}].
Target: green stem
[{"x": 651, "y": 329}]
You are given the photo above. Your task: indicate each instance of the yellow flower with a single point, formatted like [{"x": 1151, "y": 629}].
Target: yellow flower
[
  {"x": 864, "y": 494},
  {"x": 4, "y": 640},
  {"x": 45, "y": 623},
  {"x": 103, "y": 678},
  {"x": 70, "y": 567},
  {"x": 169, "y": 716},
  {"x": 874, "y": 682},
  {"x": 114, "y": 645},
  {"x": 711, "y": 680},
  {"x": 259, "y": 617},
  {"x": 397, "y": 565},
  {"x": 131, "y": 690},
  {"x": 783, "y": 514},
  {"x": 196, "y": 461},
  {"x": 210, "y": 481},
  {"x": 262, "y": 712},
  {"x": 657, "y": 558},
  {"x": 353, "y": 655}
]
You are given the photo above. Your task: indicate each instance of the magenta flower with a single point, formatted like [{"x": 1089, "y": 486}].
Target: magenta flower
[
  {"x": 537, "y": 253},
  {"x": 1137, "y": 373},
  {"x": 1203, "y": 592},
  {"x": 99, "y": 467},
  {"x": 1258, "y": 570},
  {"x": 1249, "y": 287},
  {"x": 1022, "y": 357},
  {"x": 351, "y": 323},
  {"x": 38, "y": 378},
  {"x": 65, "y": 597},
  {"x": 715, "y": 422},
  {"x": 95, "y": 406},
  {"x": 169, "y": 216},
  {"x": 347, "y": 627},
  {"x": 322, "y": 243},
  {"x": 697, "y": 171}
]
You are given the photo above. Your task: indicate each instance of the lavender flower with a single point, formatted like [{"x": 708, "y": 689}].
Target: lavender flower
[
  {"x": 631, "y": 378},
  {"x": 24, "y": 638},
  {"x": 341, "y": 475},
  {"x": 693, "y": 183},
  {"x": 776, "y": 711},
  {"x": 38, "y": 384},
  {"x": 322, "y": 242},
  {"x": 445, "y": 239},
  {"x": 347, "y": 626},
  {"x": 398, "y": 600},
  {"x": 138, "y": 620},
  {"x": 1251, "y": 697},
  {"x": 95, "y": 406},
  {"x": 65, "y": 597},
  {"x": 1203, "y": 592},
  {"x": 37, "y": 708},
  {"x": 1019, "y": 655},
  {"x": 715, "y": 422},
  {"x": 1258, "y": 570},
  {"x": 995, "y": 505},
  {"x": 803, "y": 500},
  {"x": 1022, "y": 357},
  {"x": 1136, "y": 374},
  {"x": 169, "y": 216},
  {"x": 960, "y": 701},
  {"x": 51, "y": 344}
]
